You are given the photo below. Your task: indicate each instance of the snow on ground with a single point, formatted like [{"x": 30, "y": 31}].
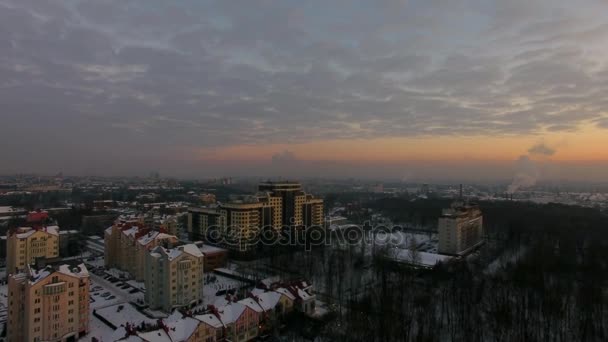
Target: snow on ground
[
  {"x": 423, "y": 259},
  {"x": 122, "y": 313},
  {"x": 321, "y": 309},
  {"x": 99, "y": 290},
  {"x": 504, "y": 259},
  {"x": 137, "y": 284},
  {"x": 99, "y": 330}
]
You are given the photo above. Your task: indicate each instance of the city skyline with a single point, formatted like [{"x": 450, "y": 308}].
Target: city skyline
[{"x": 399, "y": 89}]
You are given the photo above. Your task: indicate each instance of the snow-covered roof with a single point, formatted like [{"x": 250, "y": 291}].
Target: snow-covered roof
[
  {"x": 252, "y": 304},
  {"x": 231, "y": 313},
  {"x": 304, "y": 295},
  {"x": 180, "y": 330},
  {"x": 38, "y": 275},
  {"x": 52, "y": 230},
  {"x": 79, "y": 271},
  {"x": 206, "y": 249},
  {"x": 131, "y": 231},
  {"x": 25, "y": 232},
  {"x": 174, "y": 253},
  {"x": 286, "y": 293},
  {"x": 119, "y": 334},
  {"x": 268, "y": 300},
  {"x": 75, "y": 271},
  {"x": 211, "y": 320},
  {"x": 154, "y": 236},
  {"x": 192, "y": 250},
  {"x": 155, "y": 336}
]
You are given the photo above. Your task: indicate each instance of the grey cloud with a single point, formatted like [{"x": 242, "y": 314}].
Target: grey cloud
[{"x": 218, "y": 73}]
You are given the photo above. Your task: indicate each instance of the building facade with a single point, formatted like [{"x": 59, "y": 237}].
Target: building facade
[
  {"x": 236, "y": 225},
  {"x": 174, "y": 277},
  {"x": 460, "y": 229},
  {"x": 26, "y": 245},
  {"x": 126, "y": 247},
  {"x": 50, "y": 304}
]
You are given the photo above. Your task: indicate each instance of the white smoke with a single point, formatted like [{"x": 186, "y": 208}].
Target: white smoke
[
  {"x": 527, "y": 174},
  {"x": 527, "y": 169}
]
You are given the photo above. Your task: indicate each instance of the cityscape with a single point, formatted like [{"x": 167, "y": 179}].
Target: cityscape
[{"x": 303, "y": 171}]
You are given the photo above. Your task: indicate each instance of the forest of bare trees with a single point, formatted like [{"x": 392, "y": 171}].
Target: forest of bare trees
[{"x": 543, "y": 276}]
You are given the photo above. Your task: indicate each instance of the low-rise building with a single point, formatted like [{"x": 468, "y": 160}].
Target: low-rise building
[
  {"x": 50, "y": 304},
  {"x": 215, "y": 257}
]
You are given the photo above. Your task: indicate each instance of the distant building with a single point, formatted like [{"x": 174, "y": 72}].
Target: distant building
[
  {"x": 26, "y": 246},
  {"x": 460, "y": 229},
  {"x": 236, "y": 224},
  {"x": 50, "y": 304},
  {"x": 293, "y": 200},
  {"x": 96, "y": 224},
  {"x": 12, "y": 212},
  {"x": 69, "y": 241},
  {"x": 168, "y": 224},
  {"x": 174, "y": 277},
  {"x": 207, "y": 198},
  {"x": 233, "y": 225}
]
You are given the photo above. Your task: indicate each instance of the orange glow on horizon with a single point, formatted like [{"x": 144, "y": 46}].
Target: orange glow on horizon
[{"x": 588, "y": 145}]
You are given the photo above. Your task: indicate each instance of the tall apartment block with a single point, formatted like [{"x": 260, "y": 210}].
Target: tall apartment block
[
  {"x": 174, "y": 277},
  {"x": 275, "y": 206},
  {"x": 26, "y": 245},
  {"x": 294, "y": 200},
  {"x": 460, "y": 229},
  {"x": 49, "y": 304}
]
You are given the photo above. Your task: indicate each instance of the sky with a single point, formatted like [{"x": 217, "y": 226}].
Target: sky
[{"x": 404, "y": 89}]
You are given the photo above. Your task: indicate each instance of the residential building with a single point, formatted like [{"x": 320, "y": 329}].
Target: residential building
[
  {"x": 174, "y": 277},
  {"x": 312, "y": 213},
  {"x": 215, "y": 257},
  {"x": 50, "y": 304},
  {"x": 235, "y": 224},
  {"x": 27, "y": 245},
  {"x": 460, "y": 229},
  {"x": 293, "y": 199},
  {"x": 240, "y": 321},
  {"x": 168, "y": 224},
  {"x": 127, "y": 243}
]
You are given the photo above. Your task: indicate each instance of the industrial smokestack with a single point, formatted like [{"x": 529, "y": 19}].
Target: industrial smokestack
[{"x": 460, "y": 194}]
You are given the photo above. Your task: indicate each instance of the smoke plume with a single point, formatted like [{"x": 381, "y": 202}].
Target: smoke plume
[
  {"x": 527, "y": 170},
  {"x": 527, "y": 174}
]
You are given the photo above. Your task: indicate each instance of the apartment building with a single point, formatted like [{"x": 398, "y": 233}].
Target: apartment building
[
  {"x": 460, "y": 229},
  {"x": 26, "y": 245},
  {"x": 49, "y": 304},
  {"x": 126, "y": 246},
  {"x": 235, "y": 225},
  {"x": 312, "y": 214},
  {"x": 174, "y": 277}
]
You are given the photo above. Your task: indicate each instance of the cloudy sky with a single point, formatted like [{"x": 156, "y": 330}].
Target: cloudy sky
[{"x": 387, "y": 88}]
